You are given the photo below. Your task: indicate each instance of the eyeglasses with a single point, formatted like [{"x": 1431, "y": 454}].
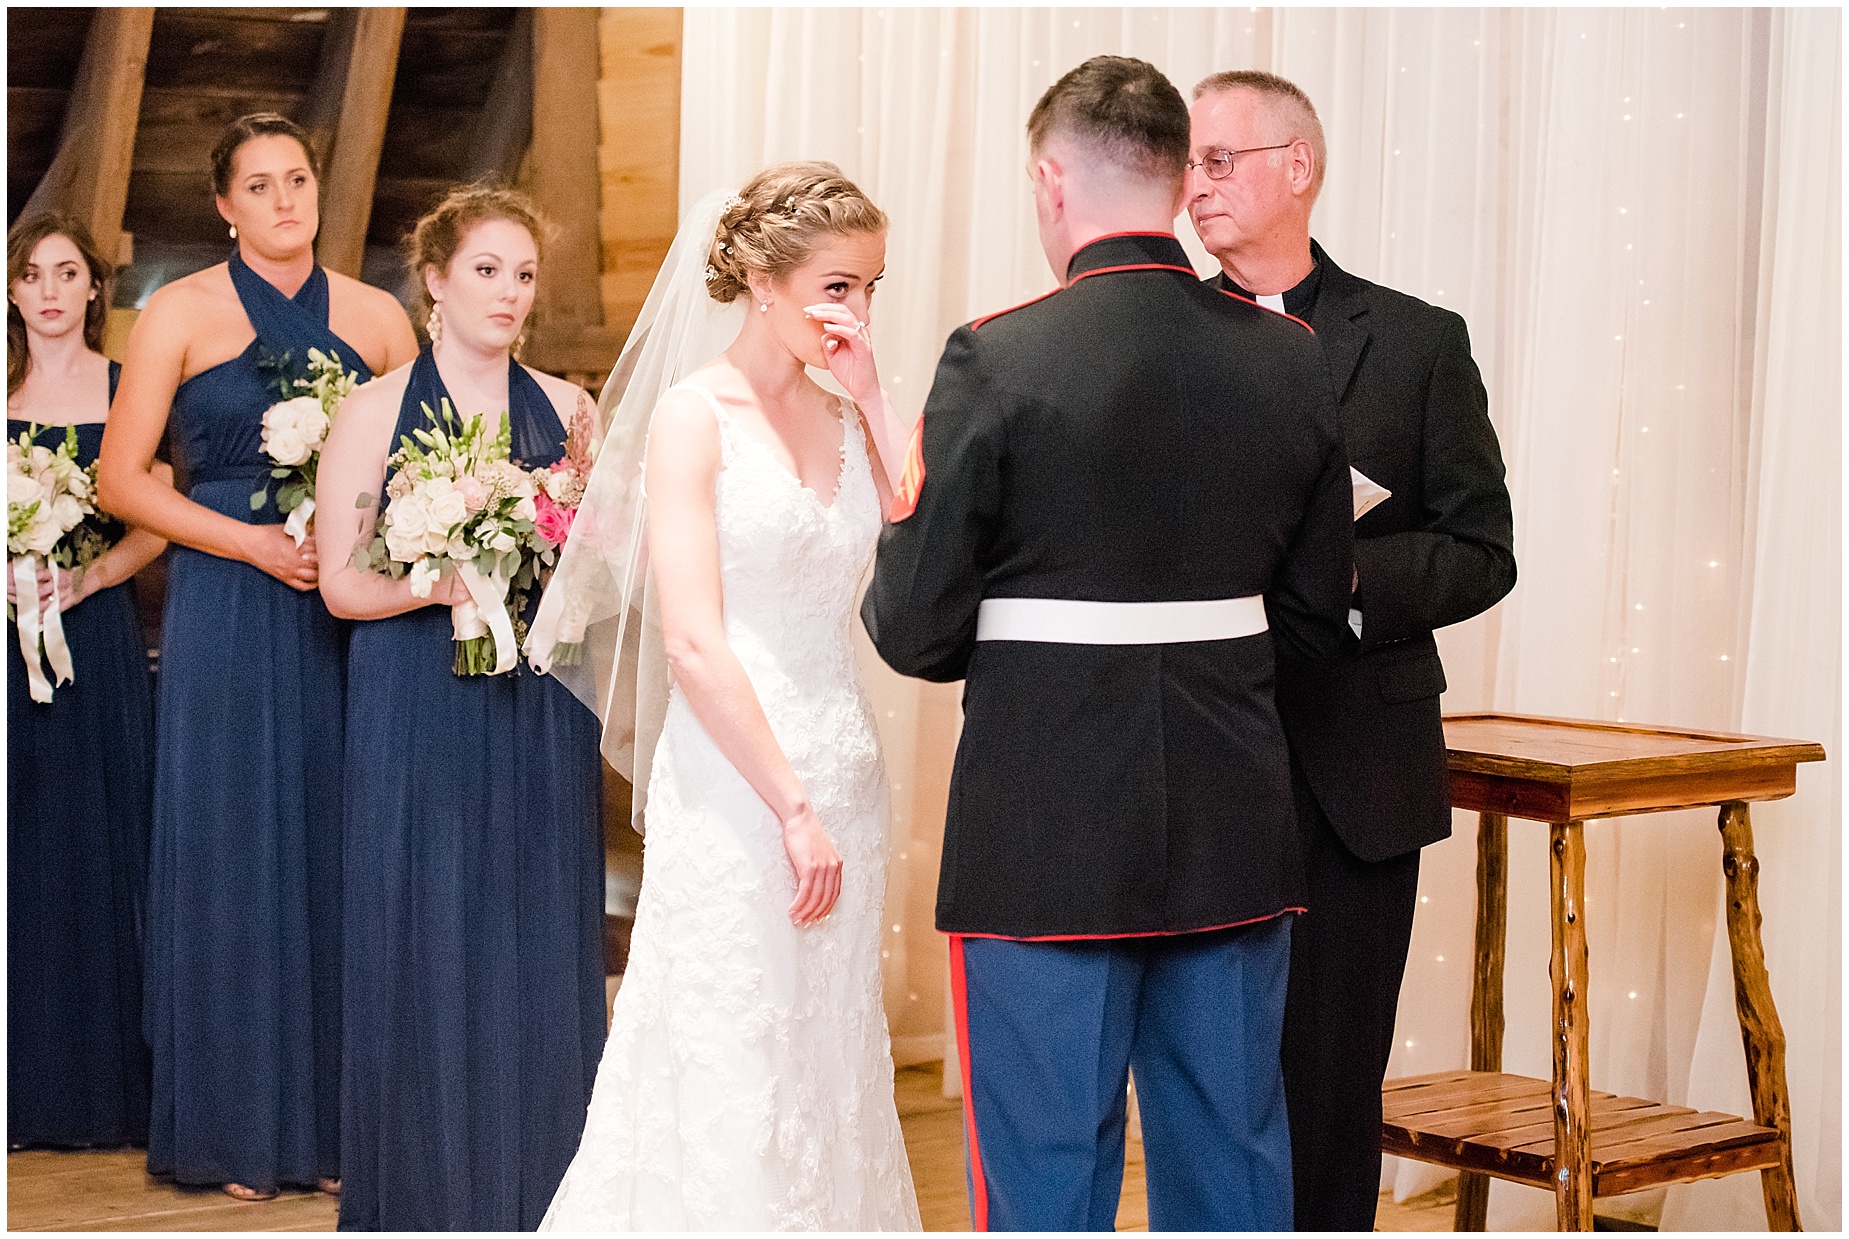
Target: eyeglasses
[{"x": 1219, "y": 164}]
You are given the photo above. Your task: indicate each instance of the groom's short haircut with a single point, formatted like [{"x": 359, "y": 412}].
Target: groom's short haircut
[{"x": 1121, "y": 108}]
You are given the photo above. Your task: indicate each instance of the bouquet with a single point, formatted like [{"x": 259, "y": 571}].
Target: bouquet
[
  {"x": 561, "y": 491},
  {"x": 294, "y": 430},
  {"x": 459, "y": 504},
  {"x": 48, "y": 498}
]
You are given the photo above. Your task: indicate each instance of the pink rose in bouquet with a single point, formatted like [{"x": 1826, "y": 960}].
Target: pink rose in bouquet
[{"x": 552, "y": 521}]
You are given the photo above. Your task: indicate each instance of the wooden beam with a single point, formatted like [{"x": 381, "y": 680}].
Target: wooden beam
[
  {"x": 564, "y": 172},
  {"x": 506, "y": 126},
  {"x": 89, "y": 176},
  {"x": 345, "y": 114},
  {"x": 319, "y": 112}
]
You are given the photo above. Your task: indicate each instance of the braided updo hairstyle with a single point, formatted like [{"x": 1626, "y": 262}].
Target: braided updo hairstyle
[{"x": 777, "y": 220}]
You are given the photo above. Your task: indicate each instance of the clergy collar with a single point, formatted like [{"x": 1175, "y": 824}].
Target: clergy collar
[
  {"x": 1128, "y": 250},
  {"x": 1297, "y": 300}
]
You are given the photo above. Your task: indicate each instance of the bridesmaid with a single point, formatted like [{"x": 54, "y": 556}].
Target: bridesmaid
[
  {"x": 243, "y": 1010},
  {"x": 79, "y": 767},
  {"x": 474, "y": 867}
]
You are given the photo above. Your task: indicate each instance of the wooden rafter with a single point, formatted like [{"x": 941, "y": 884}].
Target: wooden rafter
[
  {"x": 345, "y": 113},
  {"x": 89, "y": 176},
  {"x": 506, "y": 126}
]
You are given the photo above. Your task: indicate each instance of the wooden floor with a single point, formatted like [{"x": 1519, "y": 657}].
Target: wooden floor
[{"x": 112, "y": 1191}]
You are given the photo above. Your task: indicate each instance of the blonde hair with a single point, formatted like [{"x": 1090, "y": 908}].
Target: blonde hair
[
  {"x": 776, "y": 221},
  {"x": 433, "y": 242}
]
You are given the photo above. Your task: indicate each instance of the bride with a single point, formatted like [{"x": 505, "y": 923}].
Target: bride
[{"x": 702, "y": 607}]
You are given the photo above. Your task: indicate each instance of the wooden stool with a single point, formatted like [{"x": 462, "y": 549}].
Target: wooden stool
[{"x": 1561, "y": 1135}]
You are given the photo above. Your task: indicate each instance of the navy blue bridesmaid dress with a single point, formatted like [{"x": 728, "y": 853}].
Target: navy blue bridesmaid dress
[
  {"x": 79, "y": 770},
  {"x": 474, "y": 898},
  {"x": 243, "y": 965}
]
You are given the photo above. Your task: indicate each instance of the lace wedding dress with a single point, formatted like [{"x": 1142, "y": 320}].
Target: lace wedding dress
[{"x": 747, "y": 1082}]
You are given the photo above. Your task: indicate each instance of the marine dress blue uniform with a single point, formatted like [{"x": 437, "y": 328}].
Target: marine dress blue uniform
[{"x": 1120, "y": 497}]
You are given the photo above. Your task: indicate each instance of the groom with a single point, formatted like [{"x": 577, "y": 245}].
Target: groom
[{"x": 1119, "y": 494}]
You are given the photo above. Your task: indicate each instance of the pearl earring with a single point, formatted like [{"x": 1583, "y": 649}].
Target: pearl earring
[
  {"x": 234, "y": 232},
  {"x": 764, "y": 307},
  {"x": 433, "y": 325}
]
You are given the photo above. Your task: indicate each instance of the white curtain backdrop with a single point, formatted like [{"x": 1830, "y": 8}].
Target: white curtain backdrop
[{"x": 1639, "y": 214}]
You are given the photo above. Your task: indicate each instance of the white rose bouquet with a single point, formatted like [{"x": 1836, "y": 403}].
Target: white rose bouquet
[
  {"x": 49, "y": 497},
  {"x": 459, "y": 504},
  {"x": 294, "y": 430}
]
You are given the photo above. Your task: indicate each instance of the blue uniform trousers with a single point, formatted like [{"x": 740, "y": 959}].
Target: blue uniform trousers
[{"x": 1048, "y": 1032}]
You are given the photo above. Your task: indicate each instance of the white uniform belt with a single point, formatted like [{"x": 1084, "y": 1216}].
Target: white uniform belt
[{"x": 1118, "y": 623}]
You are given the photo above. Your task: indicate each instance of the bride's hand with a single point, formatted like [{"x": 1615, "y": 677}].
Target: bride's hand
[
  {"x": 849, "y": 351},
  {"x": 818, "y": 868}
]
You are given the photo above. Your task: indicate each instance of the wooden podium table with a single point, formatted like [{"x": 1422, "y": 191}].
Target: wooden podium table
[{"x": 1559, "y": 1134}]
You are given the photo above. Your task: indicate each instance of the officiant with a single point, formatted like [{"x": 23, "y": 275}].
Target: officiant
[{"x": 1367, "y": 745}]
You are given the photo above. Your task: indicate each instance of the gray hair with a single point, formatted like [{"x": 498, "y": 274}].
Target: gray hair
[{"x": 1289, "y": 103}]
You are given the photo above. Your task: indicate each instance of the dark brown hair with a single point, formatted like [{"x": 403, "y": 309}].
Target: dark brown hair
[
  {"x": 438, "y": 235},
  {"x": 21, "y": 240},
  {"x": 256, "y": 125},
  {"x": 775, "y": 222},
  {"x": 1289, "y": 105},
  {"x": 1121, "y": 107}
]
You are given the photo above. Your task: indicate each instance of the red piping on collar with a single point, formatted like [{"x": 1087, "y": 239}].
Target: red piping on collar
[
  {"x": 986, "y": 318},
  {"x": 1107, "y": 236},
  {"x": 1281, "y": 313},
  {"x": 1150, "y": 933},
  {"x": 1132, "y": 266}
]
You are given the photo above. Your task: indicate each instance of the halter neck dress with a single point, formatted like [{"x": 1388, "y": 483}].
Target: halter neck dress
[
  {"x": 78, "y": 776},
  {"x": 243, "y": 1013},
  {"x": 474, "y": 902}
]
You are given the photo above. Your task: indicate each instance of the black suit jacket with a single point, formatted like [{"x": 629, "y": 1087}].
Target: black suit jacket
[
  {"x": 1365, "y": 729},
  {"x": 1138, "y": 436}
]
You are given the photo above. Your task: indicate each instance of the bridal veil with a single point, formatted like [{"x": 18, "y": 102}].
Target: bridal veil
[{"x": 601, "y": 596}]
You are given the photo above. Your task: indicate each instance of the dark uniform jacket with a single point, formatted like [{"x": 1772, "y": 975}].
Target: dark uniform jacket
[
  {"x": 1138, "y": 436},
  {"x": 1365, "y": 728}
]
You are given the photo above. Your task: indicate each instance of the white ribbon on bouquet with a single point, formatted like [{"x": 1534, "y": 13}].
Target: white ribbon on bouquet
[
  {"x": 297, "y": 524},
  {"x": 484, "y": 612},
  {"x": 36, "y": 628}
]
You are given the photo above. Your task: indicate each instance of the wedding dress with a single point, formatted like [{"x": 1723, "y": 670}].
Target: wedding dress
[{"x": 747, "y": 1082}]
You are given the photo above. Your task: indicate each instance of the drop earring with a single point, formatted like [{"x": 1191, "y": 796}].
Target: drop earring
[
  {"x": 519, "y": 343},
  {"x": 234, "y": 232},
  {"x": 433, "y": 325}
]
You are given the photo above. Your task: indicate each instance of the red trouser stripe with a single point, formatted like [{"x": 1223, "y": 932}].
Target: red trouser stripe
[{"x": 959, "y": 1000}]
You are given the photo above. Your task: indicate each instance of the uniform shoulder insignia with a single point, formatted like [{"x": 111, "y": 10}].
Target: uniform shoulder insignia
[
  {"x": 911, "y": 480},
  {"x": 1280, "y": 313},
  {"x": 989, "y": 318}
]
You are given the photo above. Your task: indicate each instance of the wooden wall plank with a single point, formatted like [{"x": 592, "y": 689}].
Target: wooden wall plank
[
  {"x": 358, "y": 70},
  {"x": 639, "y": 100},
  {"x": 89, "y": 176}
]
